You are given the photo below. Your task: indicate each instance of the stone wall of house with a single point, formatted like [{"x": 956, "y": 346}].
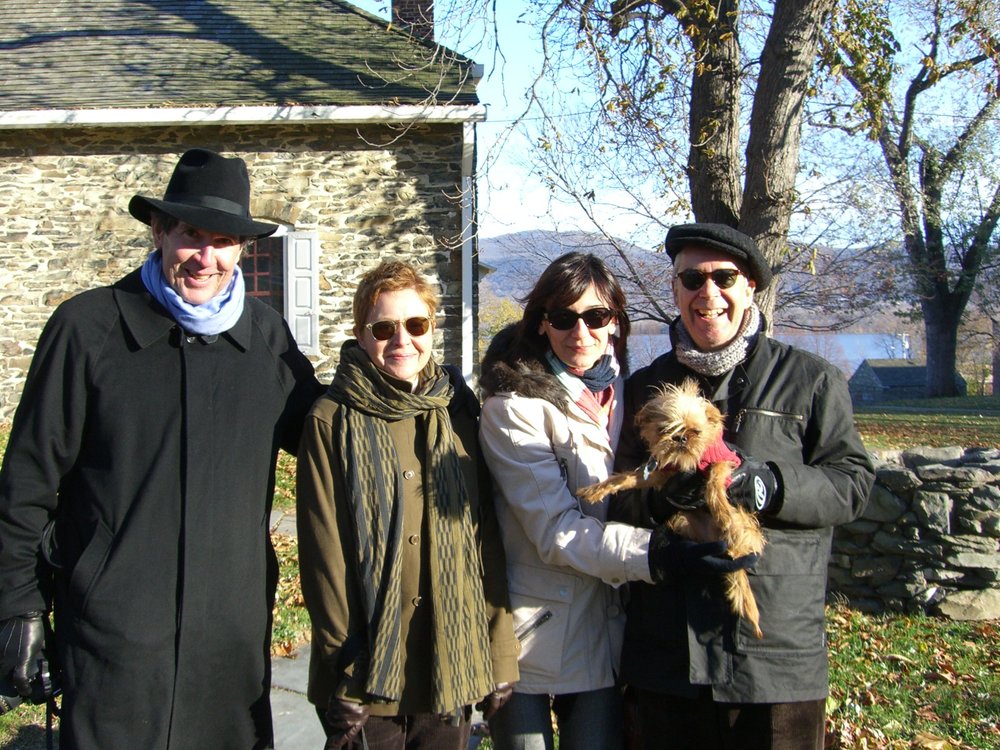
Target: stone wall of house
[
  {"x": 929, "y": 540},
  {"x": 369, "y": 193}
]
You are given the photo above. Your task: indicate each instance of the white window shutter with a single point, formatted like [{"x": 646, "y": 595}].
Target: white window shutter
[{"x": 302, "y": 288}]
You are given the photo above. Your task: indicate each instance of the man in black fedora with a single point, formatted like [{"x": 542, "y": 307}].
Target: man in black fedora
[
  {"x": 136, "y": 487},
  {"x": 700, "y": 676}
]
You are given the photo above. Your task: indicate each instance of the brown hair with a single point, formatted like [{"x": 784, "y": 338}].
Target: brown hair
[
  {"x": 168, "y": 223},
  {"x": 560, "y": 285}
]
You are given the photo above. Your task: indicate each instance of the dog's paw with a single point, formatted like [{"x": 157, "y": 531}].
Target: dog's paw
[{"x": 593, "y": 493}]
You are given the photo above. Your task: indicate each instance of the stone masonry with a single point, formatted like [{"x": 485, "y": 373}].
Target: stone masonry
[
  {"x": 929, "y": 540},
  {"x": 369, "y": 192}
]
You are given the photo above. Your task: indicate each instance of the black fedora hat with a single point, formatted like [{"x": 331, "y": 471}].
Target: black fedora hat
[{"x": 207, "y": 191}]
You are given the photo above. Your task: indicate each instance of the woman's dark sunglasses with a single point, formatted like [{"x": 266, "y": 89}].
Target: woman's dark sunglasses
[
  {"x": 694, "y": 280},
  {"x": 563, "y": 320},
  {"x": 383, "y": 330}
]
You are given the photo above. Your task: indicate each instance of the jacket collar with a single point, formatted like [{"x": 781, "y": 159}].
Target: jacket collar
[
  {"x": 506, "y": 370},
  {"x": 147, "y": 321}
]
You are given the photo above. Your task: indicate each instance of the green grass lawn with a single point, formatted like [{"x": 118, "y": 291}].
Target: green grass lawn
[
  {"x": 905, "y": 681},
  {"x": 895, "y": 681},
  {"x": 968, "y": 421}
]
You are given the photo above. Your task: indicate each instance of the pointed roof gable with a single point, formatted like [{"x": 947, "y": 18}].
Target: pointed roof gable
[{"x": 105, "y": 54}]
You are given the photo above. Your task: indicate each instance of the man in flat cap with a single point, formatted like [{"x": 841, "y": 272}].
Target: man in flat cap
[
  {"x": 699, "y": 676},
  {"x": 136, "y": 487}
]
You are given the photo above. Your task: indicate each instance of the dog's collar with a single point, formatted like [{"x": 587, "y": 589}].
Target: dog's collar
[{"x": 698, "y": 502}]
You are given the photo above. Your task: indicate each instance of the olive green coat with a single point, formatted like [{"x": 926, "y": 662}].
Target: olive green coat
[{"x": 329, "y": 568}]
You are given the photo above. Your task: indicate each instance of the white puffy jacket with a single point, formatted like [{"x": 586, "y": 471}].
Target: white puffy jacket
[{"x": 564, "y": 562}]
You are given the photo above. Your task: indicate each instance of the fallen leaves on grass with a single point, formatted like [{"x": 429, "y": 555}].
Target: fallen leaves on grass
[
  {"x": 901, "y": 682},
  {"x": 930, "y": 742},
  {"x": 290, "y": 628}
]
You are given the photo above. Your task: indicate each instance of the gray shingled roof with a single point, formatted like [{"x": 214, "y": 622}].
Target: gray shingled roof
[
  {"x": 899, "y": 373},
  {"x": 81, "y": 54}
]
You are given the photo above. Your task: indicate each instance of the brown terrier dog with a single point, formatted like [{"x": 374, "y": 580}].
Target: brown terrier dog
[{"x": 683, "y": 431}]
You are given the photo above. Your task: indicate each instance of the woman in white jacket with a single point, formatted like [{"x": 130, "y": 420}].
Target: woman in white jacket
[{"x": 550, "y": 424}]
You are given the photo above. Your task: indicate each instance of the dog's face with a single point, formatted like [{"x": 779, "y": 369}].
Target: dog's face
[{"x": 678, "y": 425}]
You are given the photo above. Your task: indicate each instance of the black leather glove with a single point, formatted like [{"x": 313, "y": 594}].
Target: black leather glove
[
  {"x": 684, "y": 490},
  {"x": 9, "y": 697},
  {"x": 22, "y": 656},
  {"x": 345, "y": 719},
  {"x": 495, "y": 700},
  {"x": 754, "y": 486},
  {"x": 671, "y": 556}
]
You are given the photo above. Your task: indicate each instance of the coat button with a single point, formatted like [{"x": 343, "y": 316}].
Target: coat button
[
  {"x": 414, "y": 538},
  {"x": 614, "y": 611},
  {"x": 409, "y": 474},
  {"x": 416, "y": 601}
]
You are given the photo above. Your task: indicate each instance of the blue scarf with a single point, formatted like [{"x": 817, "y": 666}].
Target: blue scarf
[
  {"x": 216, "y": 316},
  {"x": 591, "y": 391},
  {"x": 597, "y": 378}
]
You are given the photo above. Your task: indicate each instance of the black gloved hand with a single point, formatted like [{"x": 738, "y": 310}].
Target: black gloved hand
[
  {"x": 345, "y": 719},
  {"x": 672, "y": 555},
  {"x": 684, "y": 490},
  {"x": 496, "y": 700},
  {"x": 22, "y": 656},
  {"x": 9, "y": 697},
  {"x": 754, "y": 486}
]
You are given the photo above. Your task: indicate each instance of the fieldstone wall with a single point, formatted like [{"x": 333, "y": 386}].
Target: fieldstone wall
[
  {"x": 929, "y": 540},
  {"x": 368, "y": 192}
]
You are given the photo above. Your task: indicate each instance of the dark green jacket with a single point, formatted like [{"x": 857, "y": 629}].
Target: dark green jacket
[{"x": 793, "y": 409}]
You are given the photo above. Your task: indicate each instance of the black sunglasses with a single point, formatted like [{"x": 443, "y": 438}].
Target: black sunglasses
[
  {"x": 563, "y": 320},
  {"x": 723, "y": 278},
  {"x": 383, "y": 330}
]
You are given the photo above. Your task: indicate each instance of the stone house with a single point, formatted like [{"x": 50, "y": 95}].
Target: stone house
[
  {"x": 878, "y": 380},
  {"x": 359, "y": 135}
]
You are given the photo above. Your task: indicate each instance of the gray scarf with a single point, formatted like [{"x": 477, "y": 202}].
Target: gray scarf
[{"x": 722, "y": 360}]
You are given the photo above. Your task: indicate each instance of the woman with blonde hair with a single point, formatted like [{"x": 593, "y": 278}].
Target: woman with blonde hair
[{"x": 402, "y": 564}]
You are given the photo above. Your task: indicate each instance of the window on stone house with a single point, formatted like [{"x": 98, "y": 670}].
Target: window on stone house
[
  {"x": 262, "y": 264},
  {"x": 283, "y": 272}
]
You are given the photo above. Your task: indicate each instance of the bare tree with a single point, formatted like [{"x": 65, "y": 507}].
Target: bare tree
[
  {"x": 653, "y": 61},
  {"x": 949, "y": 206},
  {"x": 661, "y": 110}
]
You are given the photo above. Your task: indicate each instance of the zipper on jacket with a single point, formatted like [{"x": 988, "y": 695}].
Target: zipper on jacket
[
  {"x": 763, "y": 412},
  {"x": 564, "y": 469},
  {"x": 529, "y": 627}
]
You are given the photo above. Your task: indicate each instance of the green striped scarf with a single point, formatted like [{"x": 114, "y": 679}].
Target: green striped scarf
[{"x": 462, "y": 665}]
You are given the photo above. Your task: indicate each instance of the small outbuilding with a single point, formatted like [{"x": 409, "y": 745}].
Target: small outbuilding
[{"x": 878, "y": 380}]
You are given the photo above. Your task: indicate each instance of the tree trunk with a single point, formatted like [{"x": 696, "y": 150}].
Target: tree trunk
[
  {"x": 772, "y": 160},
  {"x": 714, "y": 117},
  {"x": 772, "y": 157},
  {"x": 941, "y": 335},
  {"x": 996, "y": 357}
]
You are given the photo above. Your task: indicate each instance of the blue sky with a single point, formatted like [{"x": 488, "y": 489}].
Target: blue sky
[{"x": 510, "y": 198}]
